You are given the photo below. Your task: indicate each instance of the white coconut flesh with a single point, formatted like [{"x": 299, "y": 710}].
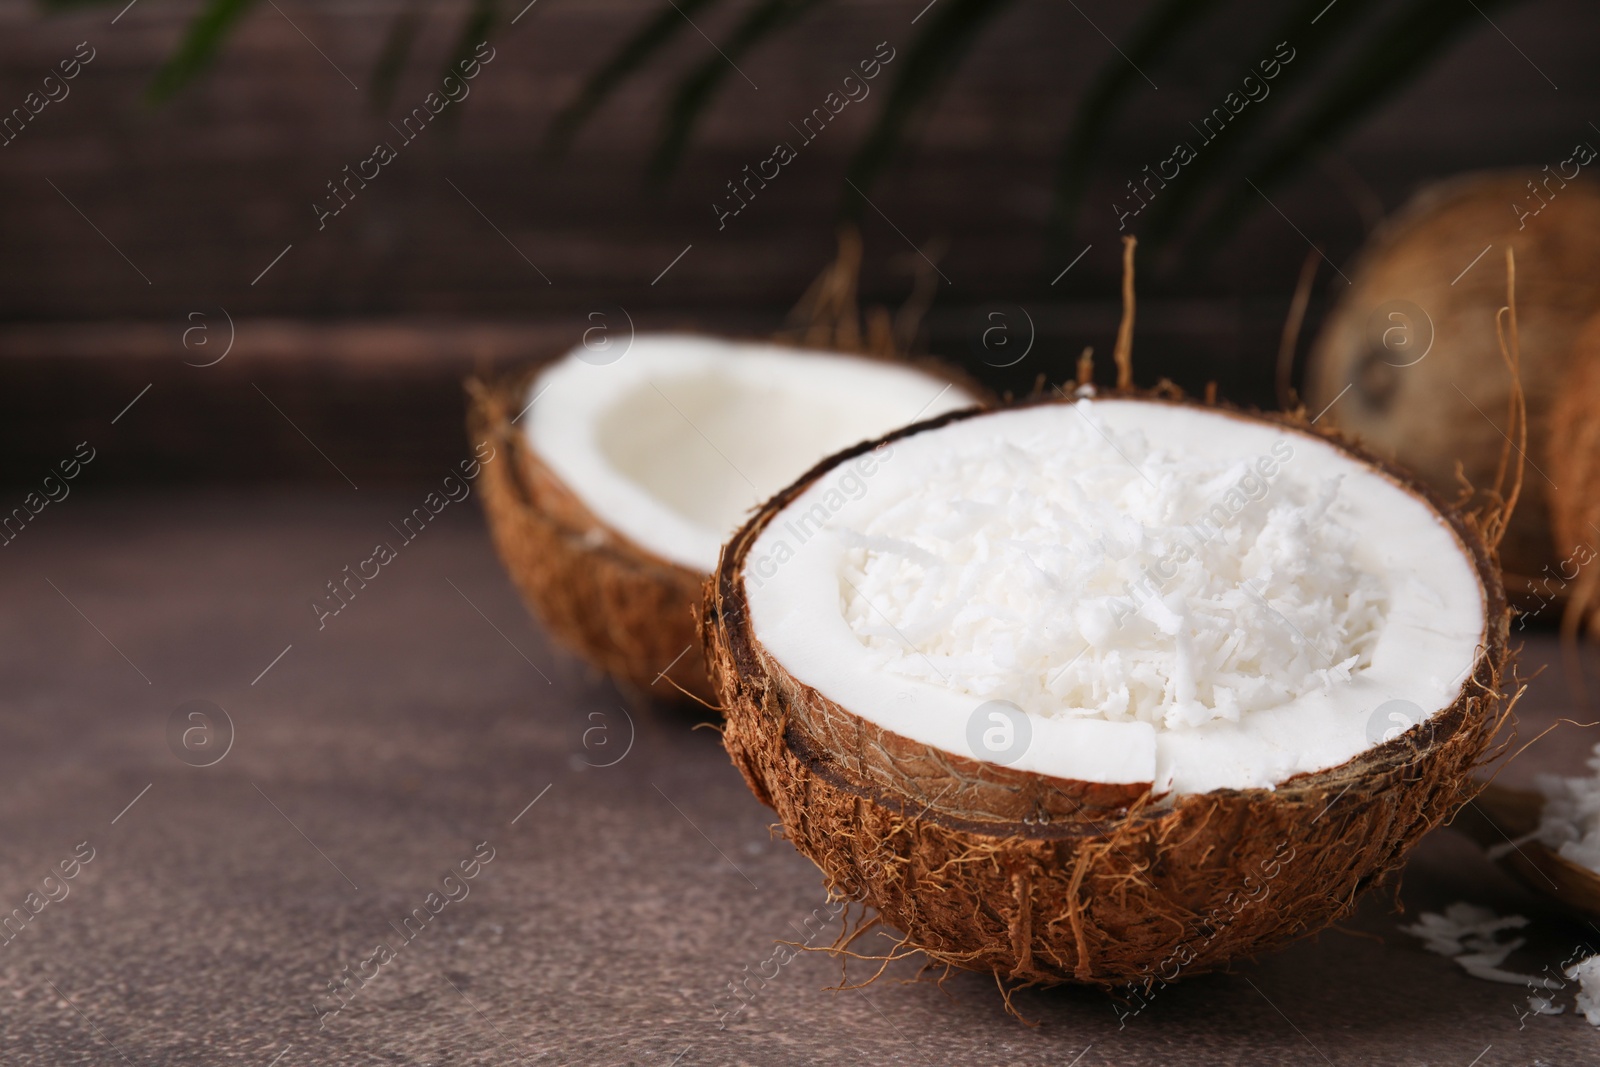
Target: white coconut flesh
[
  {"x": 1169, "y": 594},
  {"x": 673, "y": 443}
]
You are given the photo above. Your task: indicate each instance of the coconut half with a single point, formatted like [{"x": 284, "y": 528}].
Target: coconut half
[
  {"x": 1107, "y": 690},
  {"x": 629, "y": 468}
]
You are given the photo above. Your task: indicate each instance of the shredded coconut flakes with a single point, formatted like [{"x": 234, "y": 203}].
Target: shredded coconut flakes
[
  {"x": 1090, "y": 574},
  {"x": 1472, "y": 936},
  {"x": 1587, "y": 972},
  {"x": 1569, "y": 822}
]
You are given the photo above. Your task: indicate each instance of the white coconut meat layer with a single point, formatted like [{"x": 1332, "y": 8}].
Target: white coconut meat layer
[
  {"x": 1169, "y": 594},
  {"x": 674, "y": 442}
]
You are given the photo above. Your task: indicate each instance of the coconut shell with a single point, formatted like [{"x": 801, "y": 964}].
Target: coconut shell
[
  {"x": 1573, "y": 462},
  {"x": 1451, "y": 406},
  {"x": 1500, "y": 816},
  {"x": 1042, "y": 880},
  {"x": 622, "y": 608},
  {"x": 612, "y": 601}
]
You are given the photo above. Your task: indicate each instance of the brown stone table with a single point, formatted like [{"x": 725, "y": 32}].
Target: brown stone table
[{"x": 370, "y": 756}]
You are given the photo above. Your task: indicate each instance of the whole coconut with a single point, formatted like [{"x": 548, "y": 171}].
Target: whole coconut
[
  {"x": 1574, "y": 464},
  {"x": 1413, "y": 339}
]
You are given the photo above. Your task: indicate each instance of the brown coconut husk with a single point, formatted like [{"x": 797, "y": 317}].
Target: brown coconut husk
[
  {"x": 1423, "y": 415},
  {"x": 1573, "y": 460},
  {"x": 619, "y": 606},
  {"x": 1041, "y": 880}
]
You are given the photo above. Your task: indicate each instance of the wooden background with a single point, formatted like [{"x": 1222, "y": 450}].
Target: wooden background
[{"x": 361, "y": 332}]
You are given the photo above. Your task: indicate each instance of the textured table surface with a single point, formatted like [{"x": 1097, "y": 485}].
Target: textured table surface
[{"x": 424, "y": 719}]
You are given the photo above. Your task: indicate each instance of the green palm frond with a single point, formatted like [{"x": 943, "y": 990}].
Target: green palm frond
[
  {"x": 930, "y": 61},
  {"x": 1239, "y": 138},
  {"x": 1379, "y": 52},
  {"x": 1401, "y": 50},
  {"x": 657, "y": 32},
  {"x": 392, "y": 58},
  {"x": 695, "y": 91},
  {"x": 1109, "y": 91},
  {"x": 211, "y": 27},
  {"x": 199, "y": 47},
  {"x": 476, "y": 28},
  {"x": 1392, "y": 51}
]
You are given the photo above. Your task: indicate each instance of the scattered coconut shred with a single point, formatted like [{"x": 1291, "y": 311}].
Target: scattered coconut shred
[
  {"x": 1587, "y": 972},
  {"x": 1474, "y": 938},
  {"x": 1569, "y": 822},
  {"x": 1095, "y": 573}
]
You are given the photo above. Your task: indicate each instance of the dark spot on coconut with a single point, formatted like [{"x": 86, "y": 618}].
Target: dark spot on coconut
[
  {"x": 1423, "y": 250},
  {"x": 1377, "y": 379}
]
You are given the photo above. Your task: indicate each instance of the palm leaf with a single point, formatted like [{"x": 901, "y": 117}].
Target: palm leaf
[
  {"x": 929, "y": 62},
  {"x": 199, "y": 47},
  {"x": 694, "y": 93},
  {"x": 1197, "y": 180},
  {"x": 1392, "y": 57},
  {"x": 392, "y": 58},
  {"x": 1388, "y": 56},
  {"x": 477, "y": 28},
  {"x": 636, "y": 51},
  {"x": 1116, "y": 80}
]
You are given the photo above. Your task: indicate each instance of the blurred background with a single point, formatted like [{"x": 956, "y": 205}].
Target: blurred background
[
  {"x": 166, "y": 205},
  {"x": 223, "y": 305}
]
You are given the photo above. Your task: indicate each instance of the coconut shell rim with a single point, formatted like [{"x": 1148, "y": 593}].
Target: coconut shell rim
[
  {"x": 514, "y": 385},
  {"x": 489, "y": 420},
  {"x": 1375, "y": 765}
]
